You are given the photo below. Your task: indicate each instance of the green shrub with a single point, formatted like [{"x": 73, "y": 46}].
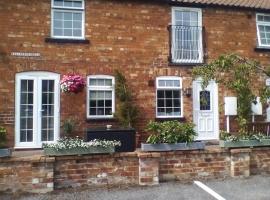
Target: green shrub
[
  {"x": 3, "y": 137},
  {"x": 69, "y": 126},
  {"x": 170, "y": 132}
]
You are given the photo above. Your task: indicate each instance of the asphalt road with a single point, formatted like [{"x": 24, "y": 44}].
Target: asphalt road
[{"x": 253, "y": 188}]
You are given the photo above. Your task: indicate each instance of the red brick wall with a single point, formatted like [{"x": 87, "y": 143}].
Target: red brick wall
[
  {"x": 128, "y": 35},
  {"x": 96, "y": 170}
]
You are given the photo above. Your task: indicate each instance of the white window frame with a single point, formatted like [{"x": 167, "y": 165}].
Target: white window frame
[
  {"x": 187, "y": 9},
  {"x": 175, "y": 78},
  {"x": 100, "y": 88},
  {"x": 258, "y": 31},
  {"x": 72, "y": 10}
]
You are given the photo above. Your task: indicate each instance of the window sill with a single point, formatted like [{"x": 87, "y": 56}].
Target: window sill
[
  {"x": 180, "y": 119},
  {"x": 172, "y": 63},
  {"x": 100, "y": 120},
  {"x": 66, "y": 41},
  {"x": 262, "y": 49}
]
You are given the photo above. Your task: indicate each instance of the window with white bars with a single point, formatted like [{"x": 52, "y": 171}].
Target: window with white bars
[
  {"x": 100, "y": 96},
  {"x": 169, "y": 97},
  {"x": 67, "y": 19},
  {"x": 186, "y": 33},
  {"x": 263, "y": 29}
]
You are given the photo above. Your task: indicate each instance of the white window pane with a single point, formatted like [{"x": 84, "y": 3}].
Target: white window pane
[
  {"x": 68, "y": 3},
  {"x": 68, "y": 24},
  {"x": 176, "y": 83},
  {"x": 58, "y": 24},
  {"x": 77, "y": 24},
  {"x": 67, "y": 32},
  {"x": 77, "y": 16},
  {"x": 58, "y": 15},
  {"x": 186, "y": 16},
  {"x": 108, "y": 94},
  {"x": 58, "y": 2},
  {"x": 161, "y": 83},
  {"x": 266, "y": 18},
  {"x": 77, "y": 33},
  {"x": 93, "y": 81},
  {"x": 194, "y": 16},
  {"x": 260, "y": 17},
  {"x": 93, "y": 94},
  {"x": 77, "y": 4},
  {"x": 169, "y": 83},
  {"x": 178, "y": 15},
  {"x": 58, "y": 32},
  {"x": 108, "y": 82},
  {"x": 100, "y": 95},
  {"x": 263, "y": 41},
  {"x": 67, "y": 16},
  {"x": 100, "y": 82}
]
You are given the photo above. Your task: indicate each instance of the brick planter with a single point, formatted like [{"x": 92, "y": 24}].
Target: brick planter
[
  {"x": 173, "y": 147},
  {"x": 5, "y": 153},
  {"x": 244, "y": 143},
  {"x": 78, "y": 151}
]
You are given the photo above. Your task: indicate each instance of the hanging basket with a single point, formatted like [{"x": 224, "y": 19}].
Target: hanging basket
[{"x": 72, "y": 83}]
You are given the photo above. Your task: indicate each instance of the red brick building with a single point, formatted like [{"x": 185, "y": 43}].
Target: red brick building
[{"x": 154, "y": 43}]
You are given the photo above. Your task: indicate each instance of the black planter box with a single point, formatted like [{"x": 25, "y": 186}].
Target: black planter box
[{"x": 125, "y": 136}]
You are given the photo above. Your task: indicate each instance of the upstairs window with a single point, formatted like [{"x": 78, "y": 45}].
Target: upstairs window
[
  {"x": 67, "y": 19},
  {"x": 169, "y": 97},
  {"x": 263, "y": 29},
  {"x": 100, "y": 96},
  {"x": 186, "y": 33}
]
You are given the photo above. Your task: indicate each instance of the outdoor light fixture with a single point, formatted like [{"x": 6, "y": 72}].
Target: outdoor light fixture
[{"x": 188, "y": 92}]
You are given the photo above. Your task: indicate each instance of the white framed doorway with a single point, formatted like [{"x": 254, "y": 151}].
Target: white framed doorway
[
  {"x": 205, "y": 110},
  {"x": 37, "y": 108}
]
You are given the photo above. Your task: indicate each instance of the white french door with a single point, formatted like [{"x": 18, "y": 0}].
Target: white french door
[
  {"x": 205, "y": 110},
  {"x": 37, "y": 109}
]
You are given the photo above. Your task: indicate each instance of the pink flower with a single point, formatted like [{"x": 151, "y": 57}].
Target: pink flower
[{"x": 72, "y": 83}]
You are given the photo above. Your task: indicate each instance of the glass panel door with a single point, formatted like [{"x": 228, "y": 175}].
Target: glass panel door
[
  {"x": 47, "y": 112},
  {"x": 26, "y": 110},
  {"x": 37, "y": 109}
]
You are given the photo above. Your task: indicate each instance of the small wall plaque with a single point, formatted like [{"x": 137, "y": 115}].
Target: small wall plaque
[{"x": 25, "y": 54}]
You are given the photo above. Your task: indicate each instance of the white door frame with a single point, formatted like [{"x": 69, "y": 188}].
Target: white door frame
[
  {"x": 37, "y": 77},
  {"x": 196, "y": 107}
]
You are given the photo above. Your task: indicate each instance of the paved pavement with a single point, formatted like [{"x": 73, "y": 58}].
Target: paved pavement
[{"x": 253, "y": 188}]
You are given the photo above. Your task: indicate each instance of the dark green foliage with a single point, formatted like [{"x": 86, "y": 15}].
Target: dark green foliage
[
  {"x": 237, "y": 74},
  {"x": 127, "y": 112},
  {"x": 170, "y": 132},
  {"x": 3, "y": 137},
  {"x": 69, "y": 126}
]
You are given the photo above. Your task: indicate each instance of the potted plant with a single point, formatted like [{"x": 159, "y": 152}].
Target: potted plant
[
  {"x": 126, "y": 114},
  {"x": 229, "y": 140},
  {"x": 76, "y": 146},
  {"x": 69, "y": 126},
  {"x": 170, "y": 136},
  {"x": 72, "y": 83},
  {"x": 4, "y": 151}
]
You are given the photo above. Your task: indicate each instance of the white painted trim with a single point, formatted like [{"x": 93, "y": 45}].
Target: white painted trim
[
  {"x": 258, "y": 31},
  {"x": 72, "y": 10},
  {"x": 100, "y": 88},
  {"x": 215, "y": 109},
  {"x": 37, "y": 76},
  {"x": 170, "y": 88},
  {"x": 65, "y": 7},
  {"x": 188, "y": 9}
]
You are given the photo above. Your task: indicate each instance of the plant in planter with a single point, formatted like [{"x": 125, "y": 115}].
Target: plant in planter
[
  {"x": 228, "y": 140},
  {"x": 69, "y": 126},
  {"x": 4, "y": 151},
  {"x": 171, "y": 135},
  {"x": 72, "y": 83},
  {"x": 237, "y": 75},
  {"x": 76, "y": 146}
]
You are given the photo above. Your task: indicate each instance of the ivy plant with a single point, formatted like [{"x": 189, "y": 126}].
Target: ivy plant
[
  {"x": 239, "y": 75},
  {"x": 3, "y": 137},
  {"x": 127, "y": 112}
]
